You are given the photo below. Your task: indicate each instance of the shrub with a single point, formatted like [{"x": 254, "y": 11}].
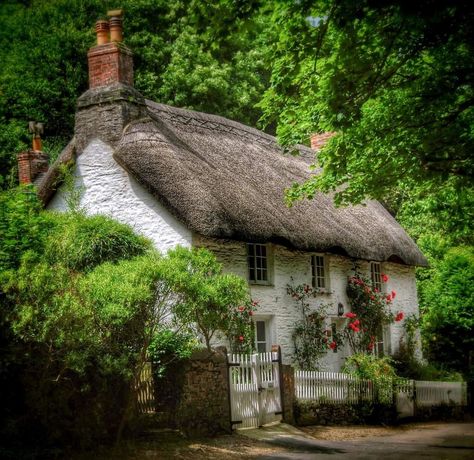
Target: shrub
[
  {"x": 309, "y": 334},
  {"x": 81, "y": 243},
  {"x": 378, "y": 370},
  {"x": 448, "y": 319}
]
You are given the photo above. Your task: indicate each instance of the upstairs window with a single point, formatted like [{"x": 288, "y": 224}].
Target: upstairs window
[
  {"x": 319, "y": 272},
  {"x": 258, "y": 263},
  {"x": 376, "y": 275}
]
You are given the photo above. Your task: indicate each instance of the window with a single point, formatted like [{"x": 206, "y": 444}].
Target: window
[
  {"x": 264, "y": 333},
  {"x": 261, "y": 336},
  {"x": 318, "y": 272},
  {"x": 334, "y": 334},
  {"x": 258, "y": 263},
  {"x": 375, "y": 275},
  {"x": 382, "y": 342}
]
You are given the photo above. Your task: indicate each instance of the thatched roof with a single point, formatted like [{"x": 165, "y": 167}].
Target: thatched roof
[
  {"x": 48, "y": 182},
  {"x": 226, "y": 180}
]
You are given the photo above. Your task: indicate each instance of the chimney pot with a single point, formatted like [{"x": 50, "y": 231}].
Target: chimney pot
[
  {"x": 115, "y": 23},
  {"x": 102, "y": 30}
]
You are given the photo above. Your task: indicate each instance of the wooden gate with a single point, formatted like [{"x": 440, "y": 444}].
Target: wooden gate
[{"x": 255, "y": 389}]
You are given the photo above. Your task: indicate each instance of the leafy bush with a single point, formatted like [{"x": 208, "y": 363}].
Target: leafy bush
[
  {"x": 309, "y": 334},
  {"x": 83, "y": 242},
  {"x": 448, "y": 319},
  {"x": 378, "y": 370},
  {"x": 23, "y": 227},
  {"x": 370, "y": 313},
  {"x": 210, "y": 300},
  {"x": 169, "y": 347}
]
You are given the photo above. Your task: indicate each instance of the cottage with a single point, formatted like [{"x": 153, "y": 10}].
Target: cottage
[{"x": 187, "y": 178}]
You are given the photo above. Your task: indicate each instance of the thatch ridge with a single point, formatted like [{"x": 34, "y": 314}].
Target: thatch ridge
[
  {"x": 48, "y": 183},
  {"x": 227, "y": 180}
]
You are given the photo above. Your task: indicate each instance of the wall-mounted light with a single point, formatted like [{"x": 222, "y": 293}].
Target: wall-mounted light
[{"x": 340, "y": 309}]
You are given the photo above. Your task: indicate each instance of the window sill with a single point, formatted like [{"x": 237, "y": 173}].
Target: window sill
[{"x": 260, "y": 283}]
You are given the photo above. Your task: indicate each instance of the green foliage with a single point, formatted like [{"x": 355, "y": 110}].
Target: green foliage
[
  {"x": 309, "y": 335},
  {"x": 78, "y": 330},
  {"x": 370, "y": 313},
  {"x": 210, "y": 300},
  {"x": 85, "y": 242},
  {"x": 393, "y": 80},
  {"x": 168, "y": 347},
  {"x": 186, "y": 53},
  {"x": 22, "y": 226},
  {"x": 448, "y": 319},
  {"x": 380, "y": 371}
]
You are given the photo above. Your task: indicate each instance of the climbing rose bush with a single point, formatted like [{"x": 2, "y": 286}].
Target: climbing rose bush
[
  {"x": 241, "y": 332},
  {"x": 370, "y": 313},
  {"x": 310, "y": 335}
]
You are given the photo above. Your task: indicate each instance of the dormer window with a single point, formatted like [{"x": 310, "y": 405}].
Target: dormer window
[
  {"x": 376, "y": 275},
  {"x": 258, "y": 258},
  {"x": 319, "y": 272}
]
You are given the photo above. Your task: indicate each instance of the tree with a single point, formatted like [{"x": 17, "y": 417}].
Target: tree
[
  {"x": 392, "y": 79},
  {"x": 208, "y": 299},
  {"x": 449, "y": 314},
  {"x": 185, "y": 53}
]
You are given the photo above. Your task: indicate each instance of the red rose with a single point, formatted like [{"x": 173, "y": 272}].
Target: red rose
[
  {"x": 350, "y": 315},
  {"x": 393, "y": 294},
  {"x": 399, "y": 316},
  {"x": 250, "y": 312},
  {"x": 389, "y": 298},
  {"x": 356, "y": 322},
  {"x": 241, "y": 308},
  {"x": 332, "y": 345},
  {"x": 371, "y": 346},
  {"x": 241, "y": 338},
  {"x": 384, "y": 277},
  {"x": 372, "y": 297}
]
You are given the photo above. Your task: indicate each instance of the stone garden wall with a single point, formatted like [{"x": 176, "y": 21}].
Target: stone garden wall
[{"x": 195, "y": 394}]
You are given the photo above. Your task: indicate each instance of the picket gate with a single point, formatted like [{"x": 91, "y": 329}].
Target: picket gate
[{"x": 255, "y": 389}]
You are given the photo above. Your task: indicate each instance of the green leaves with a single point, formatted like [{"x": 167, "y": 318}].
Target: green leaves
[
  {"x": 392, "y": 81},
  {"x": 208, "y": 298}
]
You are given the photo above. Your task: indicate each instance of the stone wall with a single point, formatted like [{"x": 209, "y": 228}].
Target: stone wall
[
  {"x": 195, "y": 394},
  {"x": 315, "y": 413}
]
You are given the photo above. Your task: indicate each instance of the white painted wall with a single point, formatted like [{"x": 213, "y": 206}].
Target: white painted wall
[
  {"x": 287, "y": 265},
  {"x": 108, "y": 189}
]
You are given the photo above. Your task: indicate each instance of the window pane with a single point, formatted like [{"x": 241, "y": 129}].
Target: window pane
[
  {"x": 261, "y": 331},
  {"x": 261, "y": 347}
]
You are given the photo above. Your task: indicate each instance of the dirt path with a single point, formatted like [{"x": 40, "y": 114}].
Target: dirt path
[{"x": 453, "y": 441}]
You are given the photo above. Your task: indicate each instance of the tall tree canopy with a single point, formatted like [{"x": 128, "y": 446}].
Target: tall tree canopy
[
  {"x": 197, "y": 54},
  {"x": 393, "y": 79}
]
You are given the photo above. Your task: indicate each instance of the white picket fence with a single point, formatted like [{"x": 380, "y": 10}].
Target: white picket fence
[
  {"x": 339, "y": 388},
  {"x": 332, "y": 387},
  {"x": 436, "y": 393}
]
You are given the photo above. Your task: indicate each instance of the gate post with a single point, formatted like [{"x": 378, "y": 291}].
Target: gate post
[{"x": 287, "y": 389}]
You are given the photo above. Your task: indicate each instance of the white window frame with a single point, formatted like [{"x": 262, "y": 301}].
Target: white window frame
[
  {"x": 382, "y": 343},
  {"x": 269, "y": 338},
  {"x": 315, "y": 276},
  {"x": 257, "y": 260},
  {"x": 376, "y": 275}
]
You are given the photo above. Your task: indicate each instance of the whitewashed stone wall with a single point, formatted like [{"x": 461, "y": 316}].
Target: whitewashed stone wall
[
  {"x": 108, "y": 189},
  {"x": 294, "y": 267}
]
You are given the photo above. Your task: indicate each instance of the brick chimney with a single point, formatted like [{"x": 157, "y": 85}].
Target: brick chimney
[
  {"x": 318, "y": 141},
  {"x": 110, "y": 61},
  {"x": 32, "y": 162}
]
